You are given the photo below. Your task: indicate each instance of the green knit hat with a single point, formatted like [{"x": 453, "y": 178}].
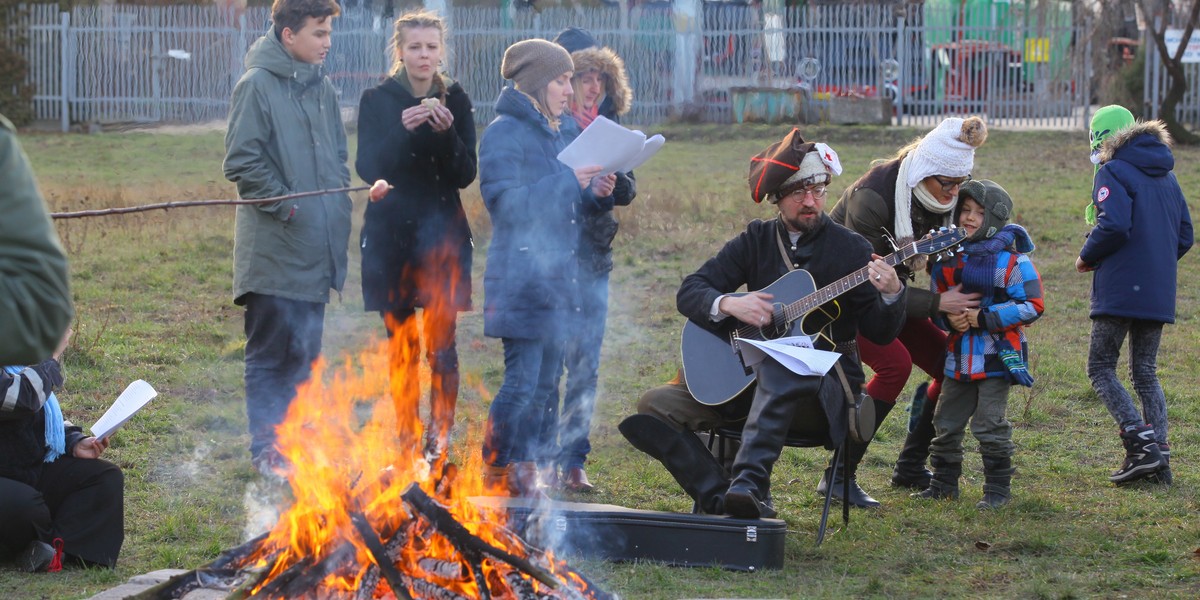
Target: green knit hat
[{"x": 1107, "y": 121}]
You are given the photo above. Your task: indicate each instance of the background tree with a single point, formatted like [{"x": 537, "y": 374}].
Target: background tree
[
  {"x": 1172, "y": 63},
  {"x": 16, "y": 95}
]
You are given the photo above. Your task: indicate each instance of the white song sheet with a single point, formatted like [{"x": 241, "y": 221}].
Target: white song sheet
[
  {"x": 611, "y": 146},
  {"x": 129, "y": 402},
  {"x": 796, "y": 353}
]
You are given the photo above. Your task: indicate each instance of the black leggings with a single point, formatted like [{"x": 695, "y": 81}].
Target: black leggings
[{"x": 76, "y": 499}]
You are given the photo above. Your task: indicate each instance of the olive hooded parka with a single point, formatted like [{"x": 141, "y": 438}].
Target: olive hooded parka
[{"x": 286, "y": 136}]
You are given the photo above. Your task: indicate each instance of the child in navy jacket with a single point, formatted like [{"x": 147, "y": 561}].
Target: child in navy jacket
[{"x": 1142, "y": 230}]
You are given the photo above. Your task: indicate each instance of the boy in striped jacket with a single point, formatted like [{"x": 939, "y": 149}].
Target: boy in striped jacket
[{"x": 986, "y": 350}]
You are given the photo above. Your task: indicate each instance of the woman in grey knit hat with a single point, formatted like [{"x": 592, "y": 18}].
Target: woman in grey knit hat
[{"x": 529, "y": 284}]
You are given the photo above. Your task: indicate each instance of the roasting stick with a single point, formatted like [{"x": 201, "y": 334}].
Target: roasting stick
[{"x": 122, "y": 210}]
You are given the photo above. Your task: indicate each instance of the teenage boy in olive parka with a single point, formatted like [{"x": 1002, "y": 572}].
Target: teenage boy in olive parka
[
  {"x": 286, "y": 136},
  {"x": 35, "y": 298}
]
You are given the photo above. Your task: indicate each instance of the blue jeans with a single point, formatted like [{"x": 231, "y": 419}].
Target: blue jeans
[
  {"x": 515, "y": 417},
  {"x": 564, "y": 438},
  {"x": 283, "y": 338},
  {"x": 1108, "y": 334}
]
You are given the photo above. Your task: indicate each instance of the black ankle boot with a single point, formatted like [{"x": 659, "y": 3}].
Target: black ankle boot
[
  {"x": 1164, "y": 475},
  {"x": 1142, "y": 456},
  {"x": 944, "y": 484},
  {"x": 684, "y": 456},
  {"x": 997, "y": 490},
  {"x": 854, "y": 455},
  {"x": 910, "y": 471},
  {"x": 778, "y": 394}
]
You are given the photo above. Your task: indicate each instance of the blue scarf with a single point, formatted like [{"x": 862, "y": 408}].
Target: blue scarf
[
  {"x": 979, "y": 265},
  {"x": 56, "y": 436},
  {"x": 979, "y": 275}
]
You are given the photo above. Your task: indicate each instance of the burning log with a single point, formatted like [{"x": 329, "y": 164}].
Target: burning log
[
  {"x": 462, "y": 539},
  {"x": 183, "y": 583},
  {"x": 382, "y": 561}
]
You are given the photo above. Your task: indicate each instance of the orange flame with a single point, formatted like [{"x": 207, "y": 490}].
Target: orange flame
[{"x": 355, "y": 441}]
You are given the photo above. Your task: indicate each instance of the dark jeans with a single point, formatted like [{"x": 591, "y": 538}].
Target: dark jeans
[
  {"x": 1108, "y": 334},
  {"x": 438, "y": 326},
  {"x": 564, "y": 437},
  {"x": 515, "y": 417},
  {"x": 79, "y": 500},
  {"x": 283, "y": 338}
]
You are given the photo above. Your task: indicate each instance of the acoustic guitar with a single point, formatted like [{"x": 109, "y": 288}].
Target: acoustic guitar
[{"x": 712, "y": 358}]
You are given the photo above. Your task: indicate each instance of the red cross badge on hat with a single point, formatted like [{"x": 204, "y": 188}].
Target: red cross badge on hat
[{"x": 829, "y": 157}]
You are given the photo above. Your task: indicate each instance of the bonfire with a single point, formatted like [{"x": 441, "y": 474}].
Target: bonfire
[{"x": 374, "y": 514}]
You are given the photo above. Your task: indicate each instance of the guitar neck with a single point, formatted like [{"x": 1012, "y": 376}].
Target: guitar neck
[{"x": 803, "y": 306}]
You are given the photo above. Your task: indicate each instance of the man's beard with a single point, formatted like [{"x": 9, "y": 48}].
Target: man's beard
[{"x": 805, "y": 225}]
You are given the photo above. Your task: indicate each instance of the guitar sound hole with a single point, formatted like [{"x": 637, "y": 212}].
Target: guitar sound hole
[{"x": 778, "y": 327}]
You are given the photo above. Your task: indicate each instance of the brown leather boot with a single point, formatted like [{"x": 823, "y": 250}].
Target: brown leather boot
[
  {"x": 500, "y": 481},
  {"x": 526, "y": 475}
]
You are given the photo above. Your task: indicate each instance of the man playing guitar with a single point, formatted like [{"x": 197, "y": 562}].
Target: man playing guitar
[{"x": 793, "y": 174}]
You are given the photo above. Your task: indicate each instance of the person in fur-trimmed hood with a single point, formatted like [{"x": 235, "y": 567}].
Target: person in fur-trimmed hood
[
  {"x": 902, "y": 198},
  {"x": 601, "y": 88},
  {"x": 1143, "y": 228}
]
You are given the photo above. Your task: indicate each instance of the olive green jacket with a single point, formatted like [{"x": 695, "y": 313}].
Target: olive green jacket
[
  {"x": 35, "y": 296},
  {"x": 286, "y": 136}
]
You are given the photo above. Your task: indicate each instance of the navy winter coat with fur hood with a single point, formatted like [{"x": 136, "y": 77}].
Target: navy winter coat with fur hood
[{"x": 1143, "y": 226}]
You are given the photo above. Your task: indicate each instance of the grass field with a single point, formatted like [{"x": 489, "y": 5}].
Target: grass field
[{"x": 153, "y": 298}]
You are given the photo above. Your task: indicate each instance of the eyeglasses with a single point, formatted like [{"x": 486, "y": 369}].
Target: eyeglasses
[
  {"x": 818, "y": 193},
  {"x": 949, "y": 184}
]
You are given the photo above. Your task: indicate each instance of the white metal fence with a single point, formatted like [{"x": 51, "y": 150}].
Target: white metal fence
[
  {"x": 179, "y": 63},
  {"x": 1157, "y": 80}
]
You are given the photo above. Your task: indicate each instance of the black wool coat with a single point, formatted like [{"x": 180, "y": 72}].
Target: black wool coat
[
  {"x": 408, "y": 236},
  {"x": 752, "y": 259}
]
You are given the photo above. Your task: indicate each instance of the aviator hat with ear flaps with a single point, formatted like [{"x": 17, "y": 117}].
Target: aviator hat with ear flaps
[{"x": 997, "y": 205}]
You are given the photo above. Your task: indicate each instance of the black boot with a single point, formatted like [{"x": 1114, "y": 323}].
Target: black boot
[
  {"x": 1142, "y": 456},
  {"x": 854, "y": 455},
  {"x": 776, "y": 399},
  {"x": 684, "y": 456},
  {"x": 1164, "y": 475},
  {"x": 997, "y": 473},
  {"x": 944, "y": 484},
  {"x": 910, "y": 471}
]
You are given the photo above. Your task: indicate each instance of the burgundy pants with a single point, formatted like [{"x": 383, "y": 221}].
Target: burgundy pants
[{"x": 920, "y": 343}]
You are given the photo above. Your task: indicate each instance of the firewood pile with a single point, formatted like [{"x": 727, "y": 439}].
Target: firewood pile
[{"x": 403, "y": 562}]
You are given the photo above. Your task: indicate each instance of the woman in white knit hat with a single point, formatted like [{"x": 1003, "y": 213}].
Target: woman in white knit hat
[
  {"x": 896, "y": 201},
  {"x": 529, "y": 285}
]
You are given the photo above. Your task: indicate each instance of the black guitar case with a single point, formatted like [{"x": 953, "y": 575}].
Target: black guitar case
[{"x": 616, "y": 533}]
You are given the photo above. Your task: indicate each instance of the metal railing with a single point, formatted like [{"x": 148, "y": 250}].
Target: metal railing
[{"x": 179, "y": 63}]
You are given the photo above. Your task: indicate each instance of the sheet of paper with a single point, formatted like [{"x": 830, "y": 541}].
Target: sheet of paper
[
  {"x": 650, "y": 149},
  {"x": 796, "y": 353},
  {"x": 135, "y": 396},
  {"x": 611, "y": 146}
]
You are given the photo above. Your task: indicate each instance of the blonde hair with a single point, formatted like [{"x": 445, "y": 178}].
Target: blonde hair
[
  {"x": 417, "y": 19},
  {"x": 539, "y": 102},
  {"x": 575, "y": 85}
]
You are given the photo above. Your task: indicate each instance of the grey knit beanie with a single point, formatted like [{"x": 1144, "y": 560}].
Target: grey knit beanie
[{"x": 532, "y": 64}]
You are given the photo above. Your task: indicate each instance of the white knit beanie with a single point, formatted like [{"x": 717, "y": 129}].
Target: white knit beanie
[
  {"x": 948, "y": 150},
  {"x": 816, "y": 168}
]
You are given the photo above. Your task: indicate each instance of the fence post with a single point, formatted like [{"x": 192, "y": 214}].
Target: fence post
[
  {"x": 688, "y": 17},
  {"x": 1086, "y": 70},
  {"x": 64, "y": 36},
  {"x": 901, "y": 75}
]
